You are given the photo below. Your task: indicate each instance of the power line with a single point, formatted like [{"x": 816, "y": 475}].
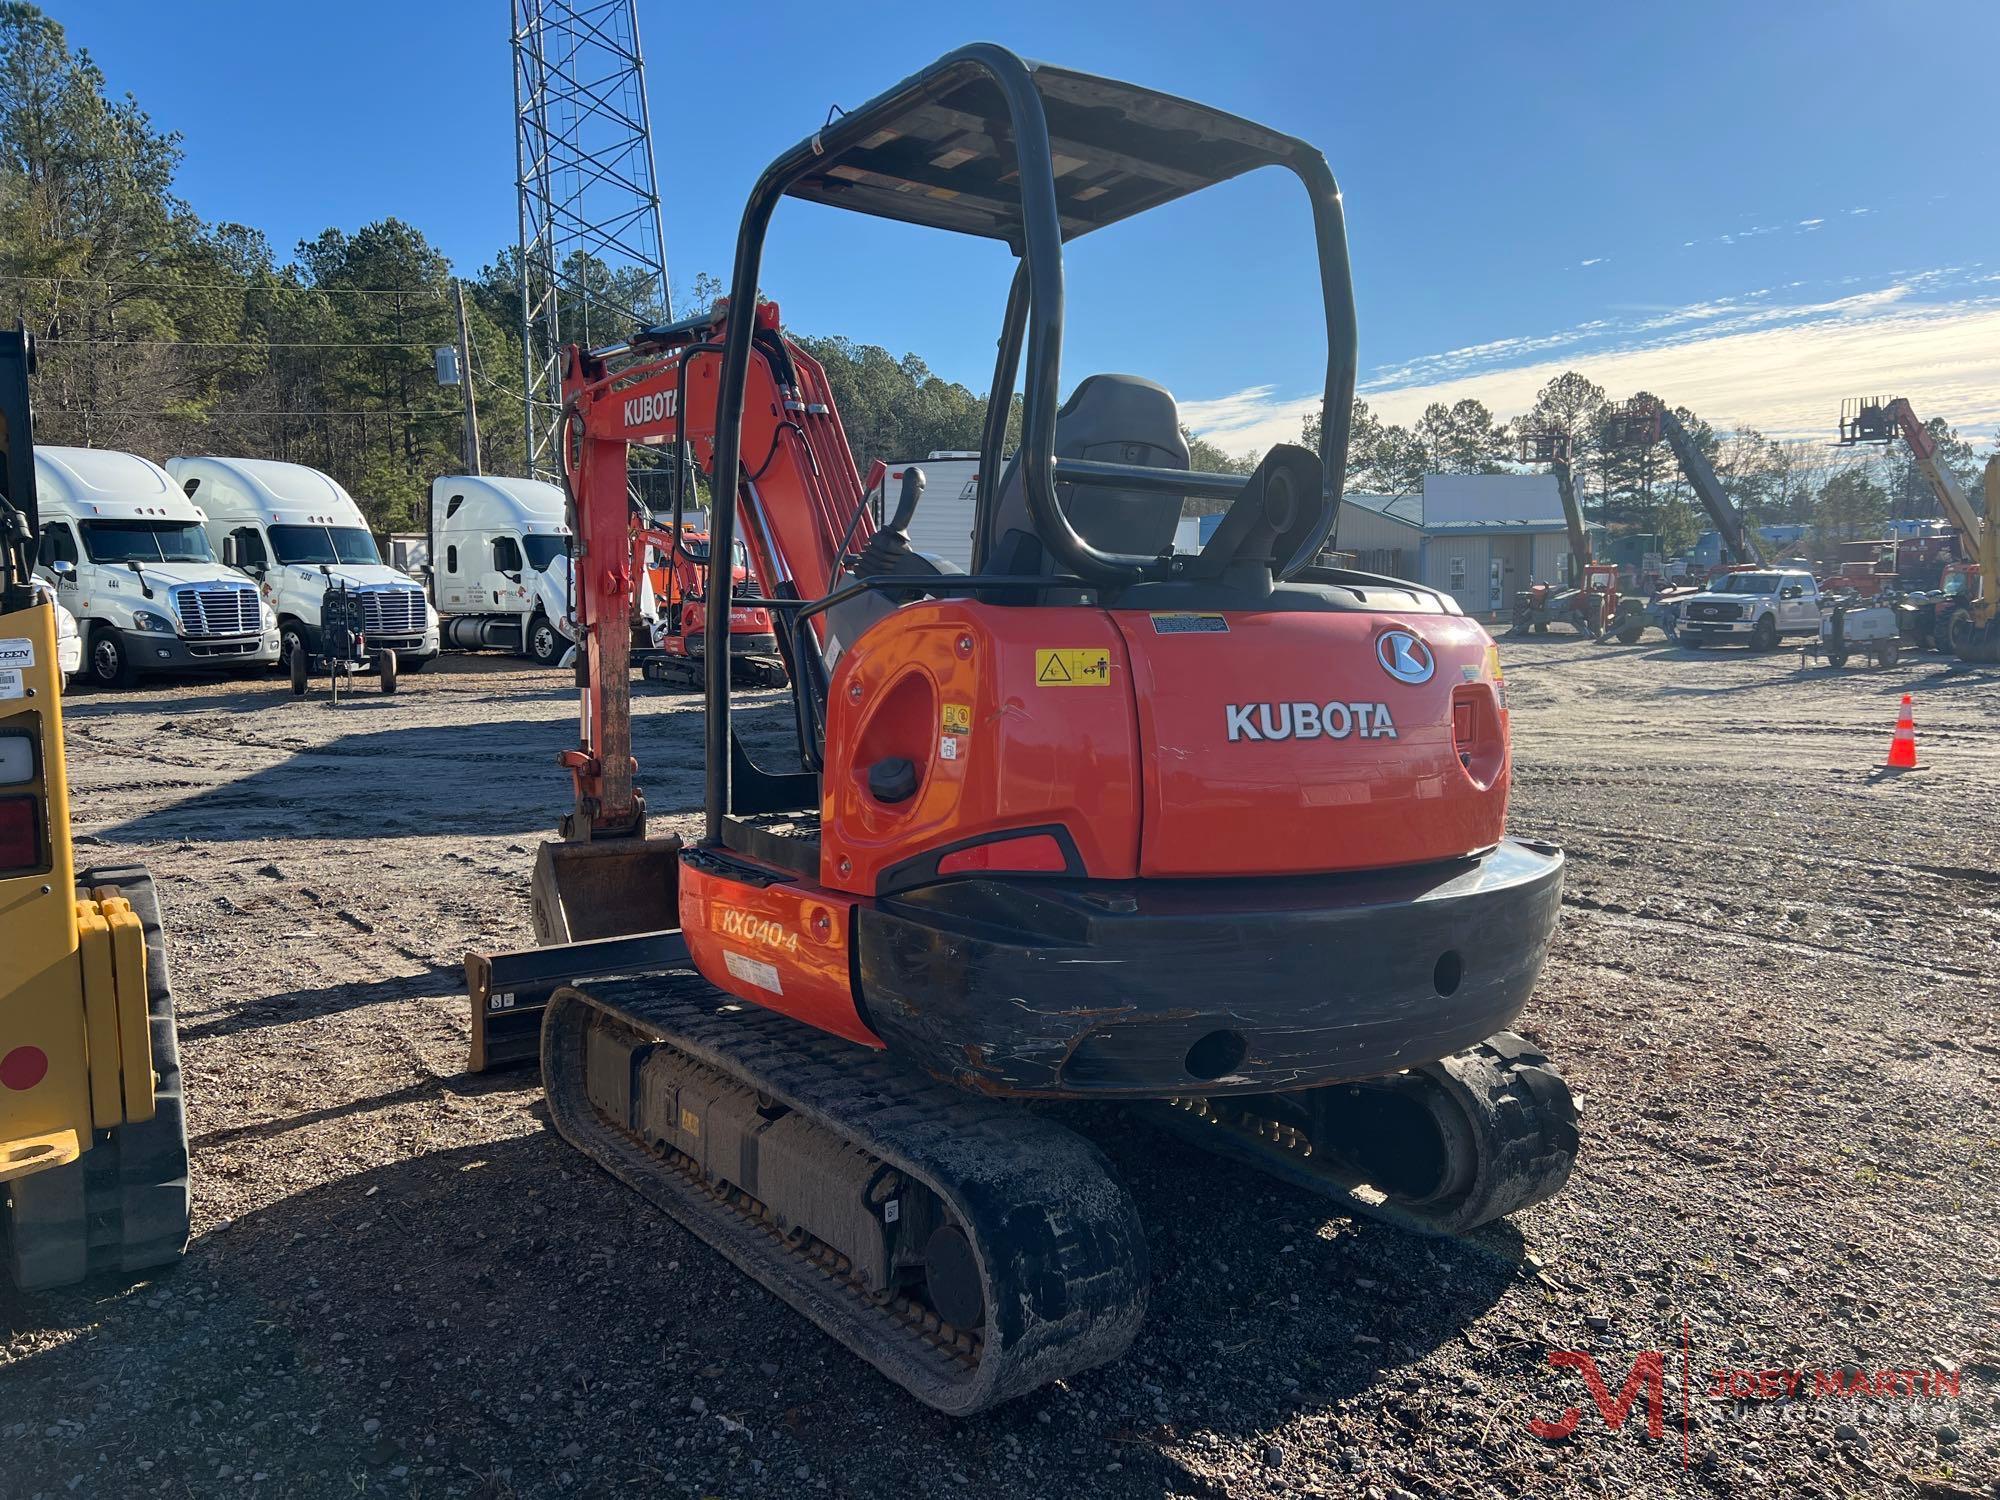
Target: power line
[
  {"x": 215, "y": 416},
  {"x": 243, "y": 287},
  {"x": 231, "y": 344},
  {"x": 221, "y": 343}
]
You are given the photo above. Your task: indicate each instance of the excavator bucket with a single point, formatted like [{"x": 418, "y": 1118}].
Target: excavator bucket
[{"x": 601, "y": 908}]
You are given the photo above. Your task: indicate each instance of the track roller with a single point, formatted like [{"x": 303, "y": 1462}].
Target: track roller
[
  {"x": 968, "y": 1250},
  {"x": 1441, "y": 1149}
]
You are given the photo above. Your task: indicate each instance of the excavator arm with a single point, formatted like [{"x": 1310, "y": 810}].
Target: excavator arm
[{"x": 799, "y": 498}]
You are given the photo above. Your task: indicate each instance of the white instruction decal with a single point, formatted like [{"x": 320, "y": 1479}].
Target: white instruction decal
[
  {"x": 11, "y": 684},
  {"x": 18, "y": 651},
  {"x": 948, "y": 747},
  {"x": 753, "y": 971}
]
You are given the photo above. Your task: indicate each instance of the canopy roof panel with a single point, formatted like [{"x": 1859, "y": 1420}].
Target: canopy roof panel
[{"x": 936, "y": 151}]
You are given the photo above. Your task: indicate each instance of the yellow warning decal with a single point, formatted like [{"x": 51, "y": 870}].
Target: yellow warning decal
[
  {"x": 1493, "y": 662},
  {"x": 690, "y": 1122},
  {"x": 957, "y": 718},
  {"x": 1070, "y": 667}
]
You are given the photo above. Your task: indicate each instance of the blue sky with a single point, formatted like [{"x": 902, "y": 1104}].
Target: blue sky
[{"x": 1751, "y": 209}]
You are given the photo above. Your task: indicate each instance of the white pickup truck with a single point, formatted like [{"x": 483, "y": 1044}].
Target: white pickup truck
[{"x": 1754, "y": 607}]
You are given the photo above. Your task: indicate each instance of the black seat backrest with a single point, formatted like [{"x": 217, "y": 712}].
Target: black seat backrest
[{"x": 1119, "y": 419}]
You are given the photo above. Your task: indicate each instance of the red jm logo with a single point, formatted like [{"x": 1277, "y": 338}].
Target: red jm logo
[{"x": 1649, "y": 1373}]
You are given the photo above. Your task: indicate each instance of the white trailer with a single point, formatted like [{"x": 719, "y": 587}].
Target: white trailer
[
  {"x": 943, "y": 525},
  {"x": 296, "y": 533},
  {"x": 126, "y": 553},
  {"x": 499, "y": 565}
]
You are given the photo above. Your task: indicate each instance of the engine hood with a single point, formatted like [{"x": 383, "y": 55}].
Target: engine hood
[
  {"x": 1310, "y": 743},
  {"x": 168, "y": 574},
  {"x": 354, "y": 575}
]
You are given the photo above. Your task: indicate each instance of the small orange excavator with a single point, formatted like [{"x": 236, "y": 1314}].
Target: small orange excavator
[
  {"x": 1220, "y": 834},
  {"x": 676, "y": 562}
]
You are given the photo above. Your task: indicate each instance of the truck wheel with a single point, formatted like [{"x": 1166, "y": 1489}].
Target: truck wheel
[
  {"x": 292, "y": 636},
  {"x": 295, "y": 665},
  {"x": 1765, "y": 636},
  {"x": 385, "y": 669},
  {"x": 1886, "y": 654},
  {"x": 545, "y": 643},
  {"x": 110, "y": 665}
]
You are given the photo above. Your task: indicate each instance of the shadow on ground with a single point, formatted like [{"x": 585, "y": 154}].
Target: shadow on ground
[{"x": 491, "y": 1318}]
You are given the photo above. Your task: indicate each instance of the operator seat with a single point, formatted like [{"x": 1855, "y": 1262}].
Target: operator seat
[{"x": 1120, "y": 419}]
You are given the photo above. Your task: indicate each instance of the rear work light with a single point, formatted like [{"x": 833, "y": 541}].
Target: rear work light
[
  {"x": 20, "y": 835},
  {"x": 1475, "y": 732}
]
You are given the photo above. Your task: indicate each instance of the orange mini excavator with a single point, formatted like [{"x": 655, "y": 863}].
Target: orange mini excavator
[
  {"x": 1217, "y": 833},
  {"x": 675, "y": 559}
]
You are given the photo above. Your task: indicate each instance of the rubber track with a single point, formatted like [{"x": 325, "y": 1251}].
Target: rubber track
[
  {"x": 1057, "y": 1238},
  {"x": 133, "y": 1210},
  {"x": 1522, "y": 1117}
]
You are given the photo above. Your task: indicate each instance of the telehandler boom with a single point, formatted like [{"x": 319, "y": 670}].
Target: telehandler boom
[{"x": 1970, "y": 626}]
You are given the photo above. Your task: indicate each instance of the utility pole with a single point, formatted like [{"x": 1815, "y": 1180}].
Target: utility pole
[{"x": 465, "y": 385}]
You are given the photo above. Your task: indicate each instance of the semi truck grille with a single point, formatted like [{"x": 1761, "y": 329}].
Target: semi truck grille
[
  {"x": 392, "y": 611},
  {"x": 219, "y": 610}
]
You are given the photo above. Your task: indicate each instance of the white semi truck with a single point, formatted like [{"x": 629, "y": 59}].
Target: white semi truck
[
  {"x": 126, "y": 553},
  {"x": 296, "y": 532},
  {"x": 499, "y": 565}
]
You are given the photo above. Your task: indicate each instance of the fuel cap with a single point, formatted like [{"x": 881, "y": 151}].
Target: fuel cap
[{"x": 892, "y": 779}]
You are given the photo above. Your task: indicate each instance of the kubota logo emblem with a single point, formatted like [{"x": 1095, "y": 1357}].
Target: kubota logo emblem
[{"x": 1404, "y": 657}]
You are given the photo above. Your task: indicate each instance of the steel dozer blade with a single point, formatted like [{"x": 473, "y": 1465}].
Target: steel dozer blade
[{"x": 601, "y": 907}]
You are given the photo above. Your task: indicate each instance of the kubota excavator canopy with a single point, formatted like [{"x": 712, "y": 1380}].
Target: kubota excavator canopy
[{"x": 940, "y": 154}]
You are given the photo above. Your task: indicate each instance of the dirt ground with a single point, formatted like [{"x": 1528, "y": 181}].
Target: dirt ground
[{"x": 1773, "y": 990}]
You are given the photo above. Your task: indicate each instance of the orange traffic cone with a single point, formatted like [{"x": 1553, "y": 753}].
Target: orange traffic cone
[{"x": 1903, "y": 748}]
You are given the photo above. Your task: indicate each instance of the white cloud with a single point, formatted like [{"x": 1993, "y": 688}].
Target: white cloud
[
  {"x": 1781, "y": 369},
  {"x": 1596, "y": 260},
  {"x": 1810, "y": 223}
]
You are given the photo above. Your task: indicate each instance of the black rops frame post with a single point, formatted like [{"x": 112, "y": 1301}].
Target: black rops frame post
[
  {"x": 1035, "y": 316},
  {"x": 17, "y": 446}
]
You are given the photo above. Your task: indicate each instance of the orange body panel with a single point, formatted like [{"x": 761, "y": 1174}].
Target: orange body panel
[
  {"x": 1333, "y": 763},
  {"x": 783, "y": 946},
  {"x": 951, "y": 687}
]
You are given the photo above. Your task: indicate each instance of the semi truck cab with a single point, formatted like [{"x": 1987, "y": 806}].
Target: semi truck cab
[
  {"x": 295, "y": 531},
  {"x": 126, "y": 553},
  {"x": 499, "y": 565}
]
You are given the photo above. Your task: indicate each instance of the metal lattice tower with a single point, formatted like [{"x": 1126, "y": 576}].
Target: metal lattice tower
[{"x": 592, "y": 257}]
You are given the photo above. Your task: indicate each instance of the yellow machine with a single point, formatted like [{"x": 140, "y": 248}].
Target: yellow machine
[{"x": 93, "y": 1138}]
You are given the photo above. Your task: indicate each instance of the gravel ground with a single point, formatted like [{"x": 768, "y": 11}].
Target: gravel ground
[{"x": 1773, "y": 991}]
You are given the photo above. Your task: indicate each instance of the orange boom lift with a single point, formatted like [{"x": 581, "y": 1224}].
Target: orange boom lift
[{"x": 1219, "y": 834}]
